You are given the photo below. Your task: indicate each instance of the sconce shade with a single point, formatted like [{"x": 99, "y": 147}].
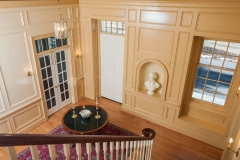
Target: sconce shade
[{"x": 60, "y": 27}]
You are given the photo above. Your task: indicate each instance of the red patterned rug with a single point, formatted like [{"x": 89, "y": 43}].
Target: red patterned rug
[{"x": 109, "y": 129}]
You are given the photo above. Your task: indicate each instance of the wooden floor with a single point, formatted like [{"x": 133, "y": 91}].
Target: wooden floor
[{"x": 167, "y": 145}]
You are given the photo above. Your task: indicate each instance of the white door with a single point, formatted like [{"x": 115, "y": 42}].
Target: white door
[
  {"x": 112, "y": 59},
  {"x": 55, "y": 80}
]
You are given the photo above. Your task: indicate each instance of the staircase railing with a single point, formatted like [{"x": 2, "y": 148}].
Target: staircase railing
[{"x": 126, "y": 147}]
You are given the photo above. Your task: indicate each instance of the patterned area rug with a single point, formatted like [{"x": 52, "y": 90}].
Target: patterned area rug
[{"x": 109, "y": 129}]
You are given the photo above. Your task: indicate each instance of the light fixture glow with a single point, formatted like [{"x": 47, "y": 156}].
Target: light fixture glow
[{"x": 60, "y": 26}]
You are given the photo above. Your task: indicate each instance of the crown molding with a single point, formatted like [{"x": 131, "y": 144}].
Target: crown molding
[{"x": 32, "y": 3}]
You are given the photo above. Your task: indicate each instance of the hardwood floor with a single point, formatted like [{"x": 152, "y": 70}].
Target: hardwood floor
[{"x": 167, "y": 145}]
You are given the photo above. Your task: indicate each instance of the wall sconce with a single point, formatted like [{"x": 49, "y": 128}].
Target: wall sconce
[
  {"x": 232, "y": 151},
  {"x": 238, "y": 92},
  {"x": 79, "y": 55},
  {"x": 29, "y": 73}
]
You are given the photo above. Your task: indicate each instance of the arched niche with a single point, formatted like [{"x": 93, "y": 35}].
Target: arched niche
[{"x": 144, "y": 68}]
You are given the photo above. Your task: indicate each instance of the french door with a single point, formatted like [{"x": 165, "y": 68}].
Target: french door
[{"x": 55, "y": 80}]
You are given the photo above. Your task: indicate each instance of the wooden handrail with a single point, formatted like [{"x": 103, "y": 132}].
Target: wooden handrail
[{"x": 38, "y": 139}]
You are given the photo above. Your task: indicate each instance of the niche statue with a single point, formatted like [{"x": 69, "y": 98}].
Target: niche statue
[{"x": 152, "y": 84}]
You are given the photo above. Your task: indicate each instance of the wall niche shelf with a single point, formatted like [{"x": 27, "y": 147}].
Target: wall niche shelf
[
  {"x": 144, "y": 68},
  {"x": 156, "y": 95}
]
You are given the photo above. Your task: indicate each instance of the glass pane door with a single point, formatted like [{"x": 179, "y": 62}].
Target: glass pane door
[
  {"x": 48, "y": 80},
  {"x": 62, "y": 78}
]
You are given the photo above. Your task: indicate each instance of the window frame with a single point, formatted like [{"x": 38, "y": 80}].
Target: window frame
[
  {"x": 123, "y": 28},
  {"x": 192, "y": 103}
]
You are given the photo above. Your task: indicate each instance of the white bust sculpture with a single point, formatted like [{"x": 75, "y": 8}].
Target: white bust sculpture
[{"x": 151, "y": 84}]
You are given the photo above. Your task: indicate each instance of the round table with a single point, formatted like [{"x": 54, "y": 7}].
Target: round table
[{"x": 89, "y": 125}]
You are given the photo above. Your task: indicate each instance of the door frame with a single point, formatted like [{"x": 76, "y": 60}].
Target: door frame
[
  {"x": 70, "y": 61},
  {"x": 98, "y": 50}
]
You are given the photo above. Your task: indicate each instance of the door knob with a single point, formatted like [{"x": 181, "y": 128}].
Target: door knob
[{"x": 57, "y": 86}]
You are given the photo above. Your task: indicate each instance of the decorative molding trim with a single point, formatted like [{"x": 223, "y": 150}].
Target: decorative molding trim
[
  {"x": 16, "y": 19},
  {"x": 23, "y": 125},
  {"x": 226, "y": 27},
  {"x": 156, "y": 14},
  {"x": 8, "y": 124},
  {"x": 26, "y": 17},
  {"x": 4, "y": 88},
  {"x": 190, "y": 19},
  {"x": 2, "y": 102},
  {"x": 175, "y": 67},
  {"x": 69, "y": 10},
  {"x": 130, "y": 54},
  {"x": 77, "y": 12},
  {"x": 155, "y": 53},
  {"x": 151, "y": 104},
  {"x": 125, "y": 99},
  {"x": 33, "y": 79},
  {"x": 169, "y": 117},
  {"x": 111, "y": 12},
  {"x": 132, "y": 11},
  {"x": 21, "y": 16}
]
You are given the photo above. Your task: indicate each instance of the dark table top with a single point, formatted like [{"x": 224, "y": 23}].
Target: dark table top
[{"x": 81, "y": 125}]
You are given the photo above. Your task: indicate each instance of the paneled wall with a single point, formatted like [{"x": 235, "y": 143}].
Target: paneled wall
[
  {"x": 21, "y": 105},
  {"x": 163, "y": 34}
]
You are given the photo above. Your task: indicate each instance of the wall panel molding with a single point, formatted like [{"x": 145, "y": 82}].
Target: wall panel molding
[
  {"x": 129, "y": 56},
  {"x": 20, "y": 80},
  {"x": 170, "y": 114},
  {"x": 2, "y": 104},
  {"x": 179, "y": 61},
  {"x": 156, "y": 41},
  {"x": 186, "y": 19},
  {"x": 46, "y": 15},
  {"x": 156, "y": 109},
  {"x": 111, "y": 12},
  {"x": 32, "y": 113},
  {"x": 132, "y": 15},
  {"x": 89, "y": 88},
  {"x": 158, "y": 17},
  {"x": 86, "y": 48},
  {"x": 218, "y": 22},
  {"x": 128, "y": 100},
  {"x": 5, "y": 127},
  {"x": 11, "y": 19}
]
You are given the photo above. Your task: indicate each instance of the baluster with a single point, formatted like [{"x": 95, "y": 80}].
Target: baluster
[
  {"x": 149, "y": 149},
  {"x": 117, "y": 149},
  {"x": 126, "y": 152},
  {"x": 97, "y": 149},
  {"x": 131, "y": 149},
  {"x": 146, "y": 150},
  {"x": 11, "y": 153},
  {"x": 89, "y": 150},
  {"x": 105, "y": 150},
  {"x": 122, "y": 149},
  {"x": 34, "y": 152},
  {"x": 151, "y": 143},
  {"x": 135, "y": 149},
  {"x": 52, "y": 151},
  {"x": 66, "y": 150},
  {"x": 143, "y": 150},
  {"x": 79, "y": 150},
  {"x": 138, "y": 150},
  {"x": 111, "y": 150}
]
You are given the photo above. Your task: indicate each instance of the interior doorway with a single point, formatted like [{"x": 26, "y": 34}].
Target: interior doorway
[{"x": 112, "y": 59}]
